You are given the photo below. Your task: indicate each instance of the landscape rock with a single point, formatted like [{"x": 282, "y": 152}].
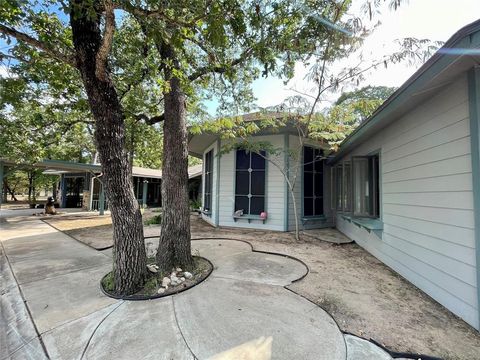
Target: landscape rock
[
  {"x": 182, "y": 279},
  {"x": 178, "y": 269},
  {"x": 161, "y": 290},
  {"x": 166, "y": 281},
  {"x": 152, "y": 268},
  {"x": 187, "y": 275}
]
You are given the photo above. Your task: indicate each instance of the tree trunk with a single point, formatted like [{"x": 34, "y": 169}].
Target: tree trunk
[
  {"x": 11, "y": 192},
  {"x": 174, "y": 246},
  {"x": 30, "y": 186},
  {"x": 129, "y": 255}
]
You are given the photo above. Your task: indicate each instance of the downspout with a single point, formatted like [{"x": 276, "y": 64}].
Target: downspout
[
  {"x": 1, "y": 183},
  {"x": 217, "y": 204},
  {"x": 286, "y": 146},
  {"x": 474, "y": 110}
]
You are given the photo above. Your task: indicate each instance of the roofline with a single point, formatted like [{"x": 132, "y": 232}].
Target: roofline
[
  {"x": 71, "y": 166},
  {"x": 433, "y": 64}
]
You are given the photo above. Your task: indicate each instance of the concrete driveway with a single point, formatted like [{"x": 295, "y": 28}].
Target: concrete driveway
[{"x": 52, "y": 307}]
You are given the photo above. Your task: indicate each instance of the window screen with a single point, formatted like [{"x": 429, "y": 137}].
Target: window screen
[{"x": 366, "y": 194}]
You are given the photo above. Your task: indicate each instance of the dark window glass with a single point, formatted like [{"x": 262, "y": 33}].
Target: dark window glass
[
  {"x": 241, "y": 203},
  {"x": 258, "y": 183},
  {"x": 242, "y": 183},
  {"x": 319, "y": 184},
  {"x": 308, "y": 207},
  {"x": 243, "y": 159},
  {"x": 318, "y": 205},
  {"x": 318, "y": 163},
  {"x": 258, "y": 162},
  {"x": 308, "y": 158},
  {"x": 308, "y": 184},
  {"x": 257, "y": 205},
  {"x": 250, "y": 182},
  {"x": 207, "y": 195},
  {"x": 312, "y": 182}
]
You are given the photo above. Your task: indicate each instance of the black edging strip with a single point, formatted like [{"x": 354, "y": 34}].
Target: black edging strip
[
  {"x": 393, "y": 354},
  {"x": 262, "y": 252},
  {"x": 180, "y": 330},
  {"x": 156, "y": 296},
  {"x": 95, "y": 330},
  {"x": 39, "y": 336},
  {"x": 74, "y": 238}
]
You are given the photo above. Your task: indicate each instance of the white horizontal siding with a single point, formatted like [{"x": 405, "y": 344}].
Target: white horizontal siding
[
  {"x": 427, "y": 200},
  {"x": 274, "y": 188},
  {"x": 438, "y": 284}
]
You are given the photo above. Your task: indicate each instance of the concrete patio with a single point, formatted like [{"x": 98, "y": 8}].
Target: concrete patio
[{"x": 52, "y": 307}]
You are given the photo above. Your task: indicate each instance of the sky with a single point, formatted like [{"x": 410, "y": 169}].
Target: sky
[{"x": 430, "y": 19}]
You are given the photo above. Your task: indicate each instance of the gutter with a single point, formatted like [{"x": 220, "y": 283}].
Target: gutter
[{"x": 351, "y": 140}]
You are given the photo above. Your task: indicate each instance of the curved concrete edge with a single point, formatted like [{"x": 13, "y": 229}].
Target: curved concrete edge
[
  {"x": 359, "y": 349},
  {"x": 161, "y": 336},
  {"x": 156, "y": 296},
  {"x": 307, "y": 269},
  {"x": 19, "y": 336},
  {"x": 244, "y": 312},
  {"x": 394, "y": 354}
]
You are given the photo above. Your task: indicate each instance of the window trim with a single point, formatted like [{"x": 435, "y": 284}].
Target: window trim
[
  {"x": 211, "y": 173},
  {"x": 234, "y": 194},
  {"x": 334, "y": 188},
  {"x": 377, "y": 195}
]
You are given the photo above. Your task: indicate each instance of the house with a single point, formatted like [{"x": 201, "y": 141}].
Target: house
[
  {"x": 244, "y": 181},
  {"x": 80, "y": 184},
  {"x": 405, "y": 185}
]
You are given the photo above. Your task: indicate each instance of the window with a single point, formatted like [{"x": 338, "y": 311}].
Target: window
[
  {"x": 366, "y": 194},
  {"x": 312, "y": 182},
  {"x": 250, "y": 182},
  {"x": 339, "y": 186},
  {"x": 343, "y": 185},
  {"x": 207, "y": 195}
]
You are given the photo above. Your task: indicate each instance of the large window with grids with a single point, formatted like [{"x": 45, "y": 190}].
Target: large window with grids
[
  {"x": 207, "y": 191},
  {"x": 312, "y": 181},
  {"x": 250, "y": 182}
]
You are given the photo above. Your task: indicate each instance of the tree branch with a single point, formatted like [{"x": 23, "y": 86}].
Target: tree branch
[
  {"x": 219, "y": 69},
  {"x": 104, "y": 50},
  {"x": 20, "y": 36},
  {"x": 151, "y": 120},
  {"x": 138, "y": 11}
]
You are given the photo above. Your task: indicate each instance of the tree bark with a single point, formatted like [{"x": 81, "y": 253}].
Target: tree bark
[
  {"x": 30, "y": 186},
  {"x": 129, "y": 255},
  {"x": 174, "y": 247}
]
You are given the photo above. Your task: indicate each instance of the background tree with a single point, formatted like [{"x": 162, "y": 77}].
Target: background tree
[
  {"x": 85, "y": 45},
  {"x": 190, "y": 50},
  {"x": 329, "y": 126}
]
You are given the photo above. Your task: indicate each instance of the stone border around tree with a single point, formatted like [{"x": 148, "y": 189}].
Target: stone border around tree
[{"x": 156, "y": 296}]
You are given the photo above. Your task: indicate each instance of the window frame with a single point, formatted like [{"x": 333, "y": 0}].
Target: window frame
[
  {"x": 343, "y": 195},
  {"x": 313, "y": 173},
  {"x": 208, "y": 211},
  {"x": 265, "y": 171},
  {"x": 375, "y": 179}
]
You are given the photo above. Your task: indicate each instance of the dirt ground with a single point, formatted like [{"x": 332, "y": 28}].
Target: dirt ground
[{"x": 363, "y": 295}]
